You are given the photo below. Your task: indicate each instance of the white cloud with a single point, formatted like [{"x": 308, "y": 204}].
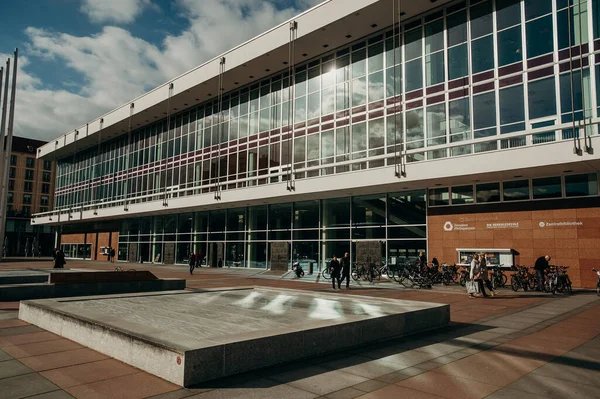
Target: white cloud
[
  {"x": 117, "y": 67},
  {"x": 117, "y": 11}
]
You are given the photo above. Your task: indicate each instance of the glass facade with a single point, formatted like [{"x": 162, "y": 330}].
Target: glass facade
[
  {"x": 315, "y": 231},
  {"x": 467, "y": 78}
]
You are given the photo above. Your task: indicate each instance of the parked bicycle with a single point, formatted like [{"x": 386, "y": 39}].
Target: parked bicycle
[
  {"x": 558, "y": 280},
  {"x": 365, "y": 272},
  {"x": 498, "y": 278},
  {"x": 412, "y": 275},
  {"x": 519, "y": 279}
]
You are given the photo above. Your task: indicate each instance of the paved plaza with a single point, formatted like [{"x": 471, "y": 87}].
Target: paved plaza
[{"x": 515, "y": 345}]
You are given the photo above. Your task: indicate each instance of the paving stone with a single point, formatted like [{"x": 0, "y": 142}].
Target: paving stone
[
  {"x": 53, "y": 395},
  {"x": 256, "y": 389},
  {"x": 12, "y": 323},
  {"x": 506, "y": 393},
  {"x": 364, "y": 367},
  {"x": 430, "y": 365},
  {"x": 9, "y": 315},
  {"x": 25, "y": 385},
  {"x": 447, "y": 386},
  {"x": 27, "y": 338},
  {"x": 4, "y": 356},
  {"x": 318, "y": 380},
  {"x": 559, "y": 370},
  {"x": 6, "y": 332},
  {"x": 88, "y": 373},
  {"x": 12, "y": 368},
  {"x": 62, "y": 359},
  {"x": 554, "y": 388},
  {"x": 395, "y": 392},
  {"x": 140, "y": 385},
  {"x": 369, "y": 386},
  {"x": 41, "y": 348},
  {"x": 346, "y": 393},
  {"x": 179, "y": 394}
]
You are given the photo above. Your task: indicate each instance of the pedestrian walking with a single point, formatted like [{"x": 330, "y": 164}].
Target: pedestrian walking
[
  {"x": 111, "y": 255},
  {"x": 192, "y": 262},
  {"x": 485, "y": 274},
  {"x": 346, "y": 270},
  {"x": 334, "y": 267},
  {"x": 475, "y": 275}
]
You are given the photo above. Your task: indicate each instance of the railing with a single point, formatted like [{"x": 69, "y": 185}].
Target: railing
[{"x": 508, "y": 141}]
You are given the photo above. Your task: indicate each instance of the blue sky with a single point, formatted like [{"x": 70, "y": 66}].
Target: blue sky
[{"x": 81, "y": 58}]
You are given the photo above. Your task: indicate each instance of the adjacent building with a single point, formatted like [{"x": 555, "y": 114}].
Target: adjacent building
[
  {"x": 30, "y": 190},
  {"x": 467, "y": 126}
]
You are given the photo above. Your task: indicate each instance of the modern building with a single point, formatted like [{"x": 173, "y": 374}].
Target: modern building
[
  {"x": 468, "y": 126},
  {"x": 30, "y": 190}
]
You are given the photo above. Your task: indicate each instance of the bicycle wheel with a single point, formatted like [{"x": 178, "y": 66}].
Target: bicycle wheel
[
  {"x": 446, "y": 278},
  {"x": 407, "y": 281},
  {"x": 399, "y": 276},
  {"x": 325, "y": 273},
  {"x": 514, "y": 284},
  {"x": 463, "y": 279},
  {"x": 355, "y": 274},
  {"x": 503, "y": 280},
  {"x": 370, "y": 275},
  {"x": 376, "y": 274},
  {"x": 390, "y": 274}
]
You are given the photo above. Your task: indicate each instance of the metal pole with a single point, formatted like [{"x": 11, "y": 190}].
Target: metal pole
[{"x": 11, "y": 120}]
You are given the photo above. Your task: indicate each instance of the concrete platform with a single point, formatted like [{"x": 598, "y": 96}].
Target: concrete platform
[
  {"x": 191, "y": 337},
  {"x": 22, "y": 277},
  {"x": 61, "y": 283}
]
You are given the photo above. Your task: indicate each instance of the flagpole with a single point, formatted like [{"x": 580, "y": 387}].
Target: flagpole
[{"x": 9, "y": 136}]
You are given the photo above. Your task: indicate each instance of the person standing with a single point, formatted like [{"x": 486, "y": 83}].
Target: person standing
[
  {"x": 345, "y": 270},
  {"x": 112, "y": 255},
  {"x": 475, "y": 275},
  {"x": 334, "y": 268},
  {"x": 541, "y": 265},
  {"x": 59, "y": 259},
  {"x": 192, "y": 262}
]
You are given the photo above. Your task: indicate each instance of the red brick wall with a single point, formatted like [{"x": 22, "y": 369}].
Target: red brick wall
[
  {"x": 576, "y": 246},
  {"x": 104, "y": 239}
]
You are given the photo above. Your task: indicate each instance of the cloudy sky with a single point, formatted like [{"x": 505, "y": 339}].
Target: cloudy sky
[{"x": 81, "y": 58}]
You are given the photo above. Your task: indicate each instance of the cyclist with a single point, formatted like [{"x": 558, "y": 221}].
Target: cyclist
[{"x": 541, "y": 265}]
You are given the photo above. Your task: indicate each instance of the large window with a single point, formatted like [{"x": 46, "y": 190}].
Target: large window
[
  {"x": 512, "y": 111},
  {"x": 547, "y": 187},
  {"x": 581, "y": 185},
  {"x": 542, "y": 98},
  {"x": 517, "y": 190},
  {"x": 540, "y": 39}
]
